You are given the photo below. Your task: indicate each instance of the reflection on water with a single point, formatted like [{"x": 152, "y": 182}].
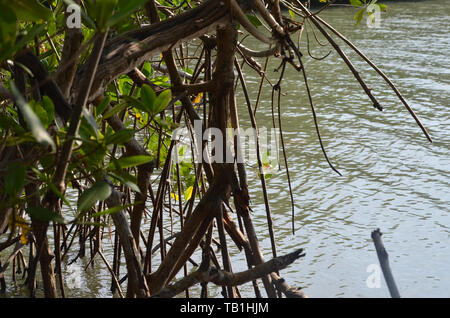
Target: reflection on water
[{"x": 392, "y": 177}]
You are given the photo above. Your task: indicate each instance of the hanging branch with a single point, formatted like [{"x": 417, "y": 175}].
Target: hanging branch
[
  {"x": 277, "y": 88},
  {"x": 297, "y": 52},
  {"x": 384, "y": 76}
]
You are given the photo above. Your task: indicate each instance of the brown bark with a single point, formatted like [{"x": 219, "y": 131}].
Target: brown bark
[
  {"x": 137, "y": 286},
  {"x": 225, "y": 278},
  {"x": 124, "y": 53}
]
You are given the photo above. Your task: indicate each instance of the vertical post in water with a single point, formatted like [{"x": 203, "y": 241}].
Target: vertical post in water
[{"x": 383, "y": 257}]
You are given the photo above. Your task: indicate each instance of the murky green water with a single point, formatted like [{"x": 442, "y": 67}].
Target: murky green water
[{"x": 392, "y": 177}]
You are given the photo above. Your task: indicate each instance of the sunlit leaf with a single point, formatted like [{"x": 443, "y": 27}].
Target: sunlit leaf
[
  {"x": 198, "y": 98},
  {"x": 358, "y": 16},
  {"x": 133, "y": 161},
  {"x": 357, "y": 3},
  {"x": 148, "y": 97},
  {"x": 175, "y": 196},
  {"x": 188, "y": 193},
  {"x": 162, "y": 101}
]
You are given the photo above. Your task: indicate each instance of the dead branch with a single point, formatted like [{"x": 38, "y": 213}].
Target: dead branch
[
  {"x": 224, "y": 278},
  {"x": 383, "y": 257}
]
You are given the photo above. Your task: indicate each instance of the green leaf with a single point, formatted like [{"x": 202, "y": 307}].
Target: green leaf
[
  {"x": 14, "y": 178},
  {"x": 115, "y": 110},
  {"x": 161, "y": 81},
  {"x": 91, "y": 120},
  {"x": 357, "y": 3},
  {"x": 31, "y": 10},
  {"x": 37, "y": 129},
  {"x": 98, "y": 192},
  {"x": 292, "y": 13},
  {"x": 188, "y": 193},
  {"x": 383, "y": 7},
  {"x": 103, "y": 105},
  {"x": 27, "y": 36},
  {"x": 133, "y": 161},
  {"x": 8, "y": 26},
  {"x": 100, "y": 11},
  {"x": 358, "y": 16},
  {"x": 120, "y": 137},
  {"x": 147, "y": 69},
  {"x": 49, "y": 107},
  {"x": 108, "y": 211},
  {"x": 126, "y": 179},
  {"x": 45, "y": 215},
  {"x": 148, "y": 97},
  {"x": 254, "y": 20},
  {"x": 40, "y": 112},
  {"x": 162, "y": 101},
  {"x": 125, "y": 11}
]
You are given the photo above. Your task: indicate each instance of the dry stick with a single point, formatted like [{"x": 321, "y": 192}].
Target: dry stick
[
  {"x": 113, "y": 275},
  {"x": 157, "y": 209},
  {"x": 224, "y": 278},
  {"x": 206, "y": 260},
  {"x": 383, "y": 257},
  {"x": 185, "y": 268},
  {"x": 381, "y": 73},
  {"x": 67, "y": 248},
  {"x": 224, "y": 248},
  {"x": 116, "y": 261},
  {"x": 268, "y": 17},
  {"x": 258, "y": 98},
  {"x": 278, "y": 88},
  {"x": 137, "y": 285},
  {"x": 284, "y": 288},
  {"x": 25, "y": 266},
  {"x": 237, "y": 13},
  {"x": 57, "y": 238},
  {"x": 248, "y": 254},
  {"x": 11, "y": 257}
]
